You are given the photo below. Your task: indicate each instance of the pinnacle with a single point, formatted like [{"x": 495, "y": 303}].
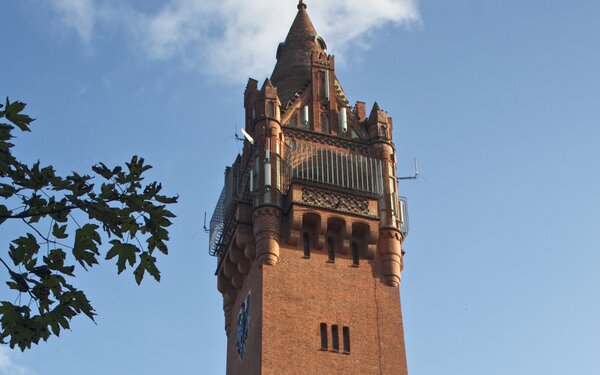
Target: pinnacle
[
  {"x": 292, "y": 71},
  {"x": 374, "y": 115}
]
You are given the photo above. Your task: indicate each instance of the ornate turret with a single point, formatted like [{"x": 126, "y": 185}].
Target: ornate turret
[
  {"x": 389, "y": 248},
  {"x": 267, "y": 171}
]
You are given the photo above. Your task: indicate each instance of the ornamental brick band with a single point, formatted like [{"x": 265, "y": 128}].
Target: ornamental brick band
[{"x": 336, "y": 201}]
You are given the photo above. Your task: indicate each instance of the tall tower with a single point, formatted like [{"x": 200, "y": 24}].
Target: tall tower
[{"x": 308, "y": 229}]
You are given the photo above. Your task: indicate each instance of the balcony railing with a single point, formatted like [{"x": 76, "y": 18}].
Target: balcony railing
[
  {"x": 359, "y": 173},
  {"x": 222, "y": 222}
]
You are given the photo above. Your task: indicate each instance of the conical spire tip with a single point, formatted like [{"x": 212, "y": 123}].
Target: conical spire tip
[{"x": 301, "y": 4}]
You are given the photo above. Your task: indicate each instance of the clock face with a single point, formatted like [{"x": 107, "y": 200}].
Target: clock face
[{"x": 243, "y": 322}]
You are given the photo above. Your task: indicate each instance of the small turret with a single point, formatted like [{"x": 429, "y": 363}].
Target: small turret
[
  {"x": 267, "y": 175},
  {"x": 389, "y": 247},
  {"x": 378, "y": 124}
]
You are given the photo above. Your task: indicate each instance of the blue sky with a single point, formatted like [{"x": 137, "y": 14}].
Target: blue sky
[{"x": 497, "y": 99}]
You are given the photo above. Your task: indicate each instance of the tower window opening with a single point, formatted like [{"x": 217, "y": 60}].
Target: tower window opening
[
  {"x": 325, "y": 128},
  {"x": 346, "y": 333},
  {"x": 271, "y": 109},
  {"x": 335, "y": 342},
  {"x": 320, "y": 42},
  {"x": 306, "y": 243},
  {"x": 330, "y": 250},
  {"x": 324, "y": 343},
  {"x": 355, "y": 259},
  {"x": 305, "y": 117},
  {"x": 322, "y": 87}
]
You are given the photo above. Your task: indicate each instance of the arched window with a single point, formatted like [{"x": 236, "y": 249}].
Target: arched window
[
  {"x": 306, "y": 244},
  {"x": 354, "y": 254},
  {"x": 330, "y": 250}
]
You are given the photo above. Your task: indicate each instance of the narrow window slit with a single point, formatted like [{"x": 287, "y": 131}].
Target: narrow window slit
[
  {"x": 346, "y": 333},
  {"x": 306, "y": 243},
  {"x": 330, "y": 250},
  {"x": 335, "y": 342},
  {"x": 324, "y": 336},
  {"x": 355, "y": 259}
]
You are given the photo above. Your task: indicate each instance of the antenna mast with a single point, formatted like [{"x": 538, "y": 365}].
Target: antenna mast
[
  {"x": 414, "y": 176},
  {"x": 205, "y": 227}
]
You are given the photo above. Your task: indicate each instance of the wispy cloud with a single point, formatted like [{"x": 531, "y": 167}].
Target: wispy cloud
[
  {"x": 233, "y": 39},
  {"x": 236, "y": 39},
  {"x": 79, "y": 15},
  {"x": 9, "y": 367}
]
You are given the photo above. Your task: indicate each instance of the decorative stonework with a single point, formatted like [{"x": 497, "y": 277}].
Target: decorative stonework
[
  {"x": 335, "y": 201},
  {"x": 306, "y": 135},
  {"x": 266, "y": 211}
]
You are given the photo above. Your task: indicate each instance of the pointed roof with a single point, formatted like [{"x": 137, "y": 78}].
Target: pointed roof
[{"x": 292, "y": 71}]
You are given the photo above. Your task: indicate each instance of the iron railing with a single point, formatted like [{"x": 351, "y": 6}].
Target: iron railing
[
  {"x": 352, "y": 172},
  {"x": 222, "y": 222}
]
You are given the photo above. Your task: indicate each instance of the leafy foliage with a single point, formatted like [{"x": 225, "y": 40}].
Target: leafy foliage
[{"x": 43, "y": 261}]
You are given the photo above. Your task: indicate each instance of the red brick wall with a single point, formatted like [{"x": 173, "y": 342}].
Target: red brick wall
[
  {"x": 251, "y": 363},
  {"x": 300, "y": 294}
]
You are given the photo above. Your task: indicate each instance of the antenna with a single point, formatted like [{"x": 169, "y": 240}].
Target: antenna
[
  {"x": 205, "y": 227},
  {"x": 413, "y": 177},
  {"x": 247, "y": 136}
]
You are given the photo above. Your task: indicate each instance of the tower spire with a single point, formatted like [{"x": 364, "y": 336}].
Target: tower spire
[{"x": 292, "y": 71}]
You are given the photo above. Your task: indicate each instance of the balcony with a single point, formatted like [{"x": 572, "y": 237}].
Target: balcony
[{"x": 303, "y": 163}]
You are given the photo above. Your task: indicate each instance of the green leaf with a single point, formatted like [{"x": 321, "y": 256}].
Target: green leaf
[
  {"x": 147, "y": 264},
  {"x": 13, "y": 114},
  {"x": 166, "y": 200},
  {"x": 7, "y": 191},
  {"x": 20, "y": 281},
  {"x": 125, "y": 252},
  {"x": 103, "y": 170},
  {"x": 4, "y": 213},
  {"x": 58, "y": 231},
  {"x": 23, "y": 249},
  {"x": 56, "y": 261},
  {"x": 85, "y": 249}
]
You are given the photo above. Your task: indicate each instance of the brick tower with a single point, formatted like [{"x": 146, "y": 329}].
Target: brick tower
[{"x": 308, "y": 229}]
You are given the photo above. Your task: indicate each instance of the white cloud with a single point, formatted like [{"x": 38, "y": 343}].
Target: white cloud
[
  {"x": 8, "y": 367},
  {"x": 233, "y": 39},
  {"x": 77, "y": 14}
]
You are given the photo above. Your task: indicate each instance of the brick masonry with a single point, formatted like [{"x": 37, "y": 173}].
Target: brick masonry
[{"x": 292, "y": 295}]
